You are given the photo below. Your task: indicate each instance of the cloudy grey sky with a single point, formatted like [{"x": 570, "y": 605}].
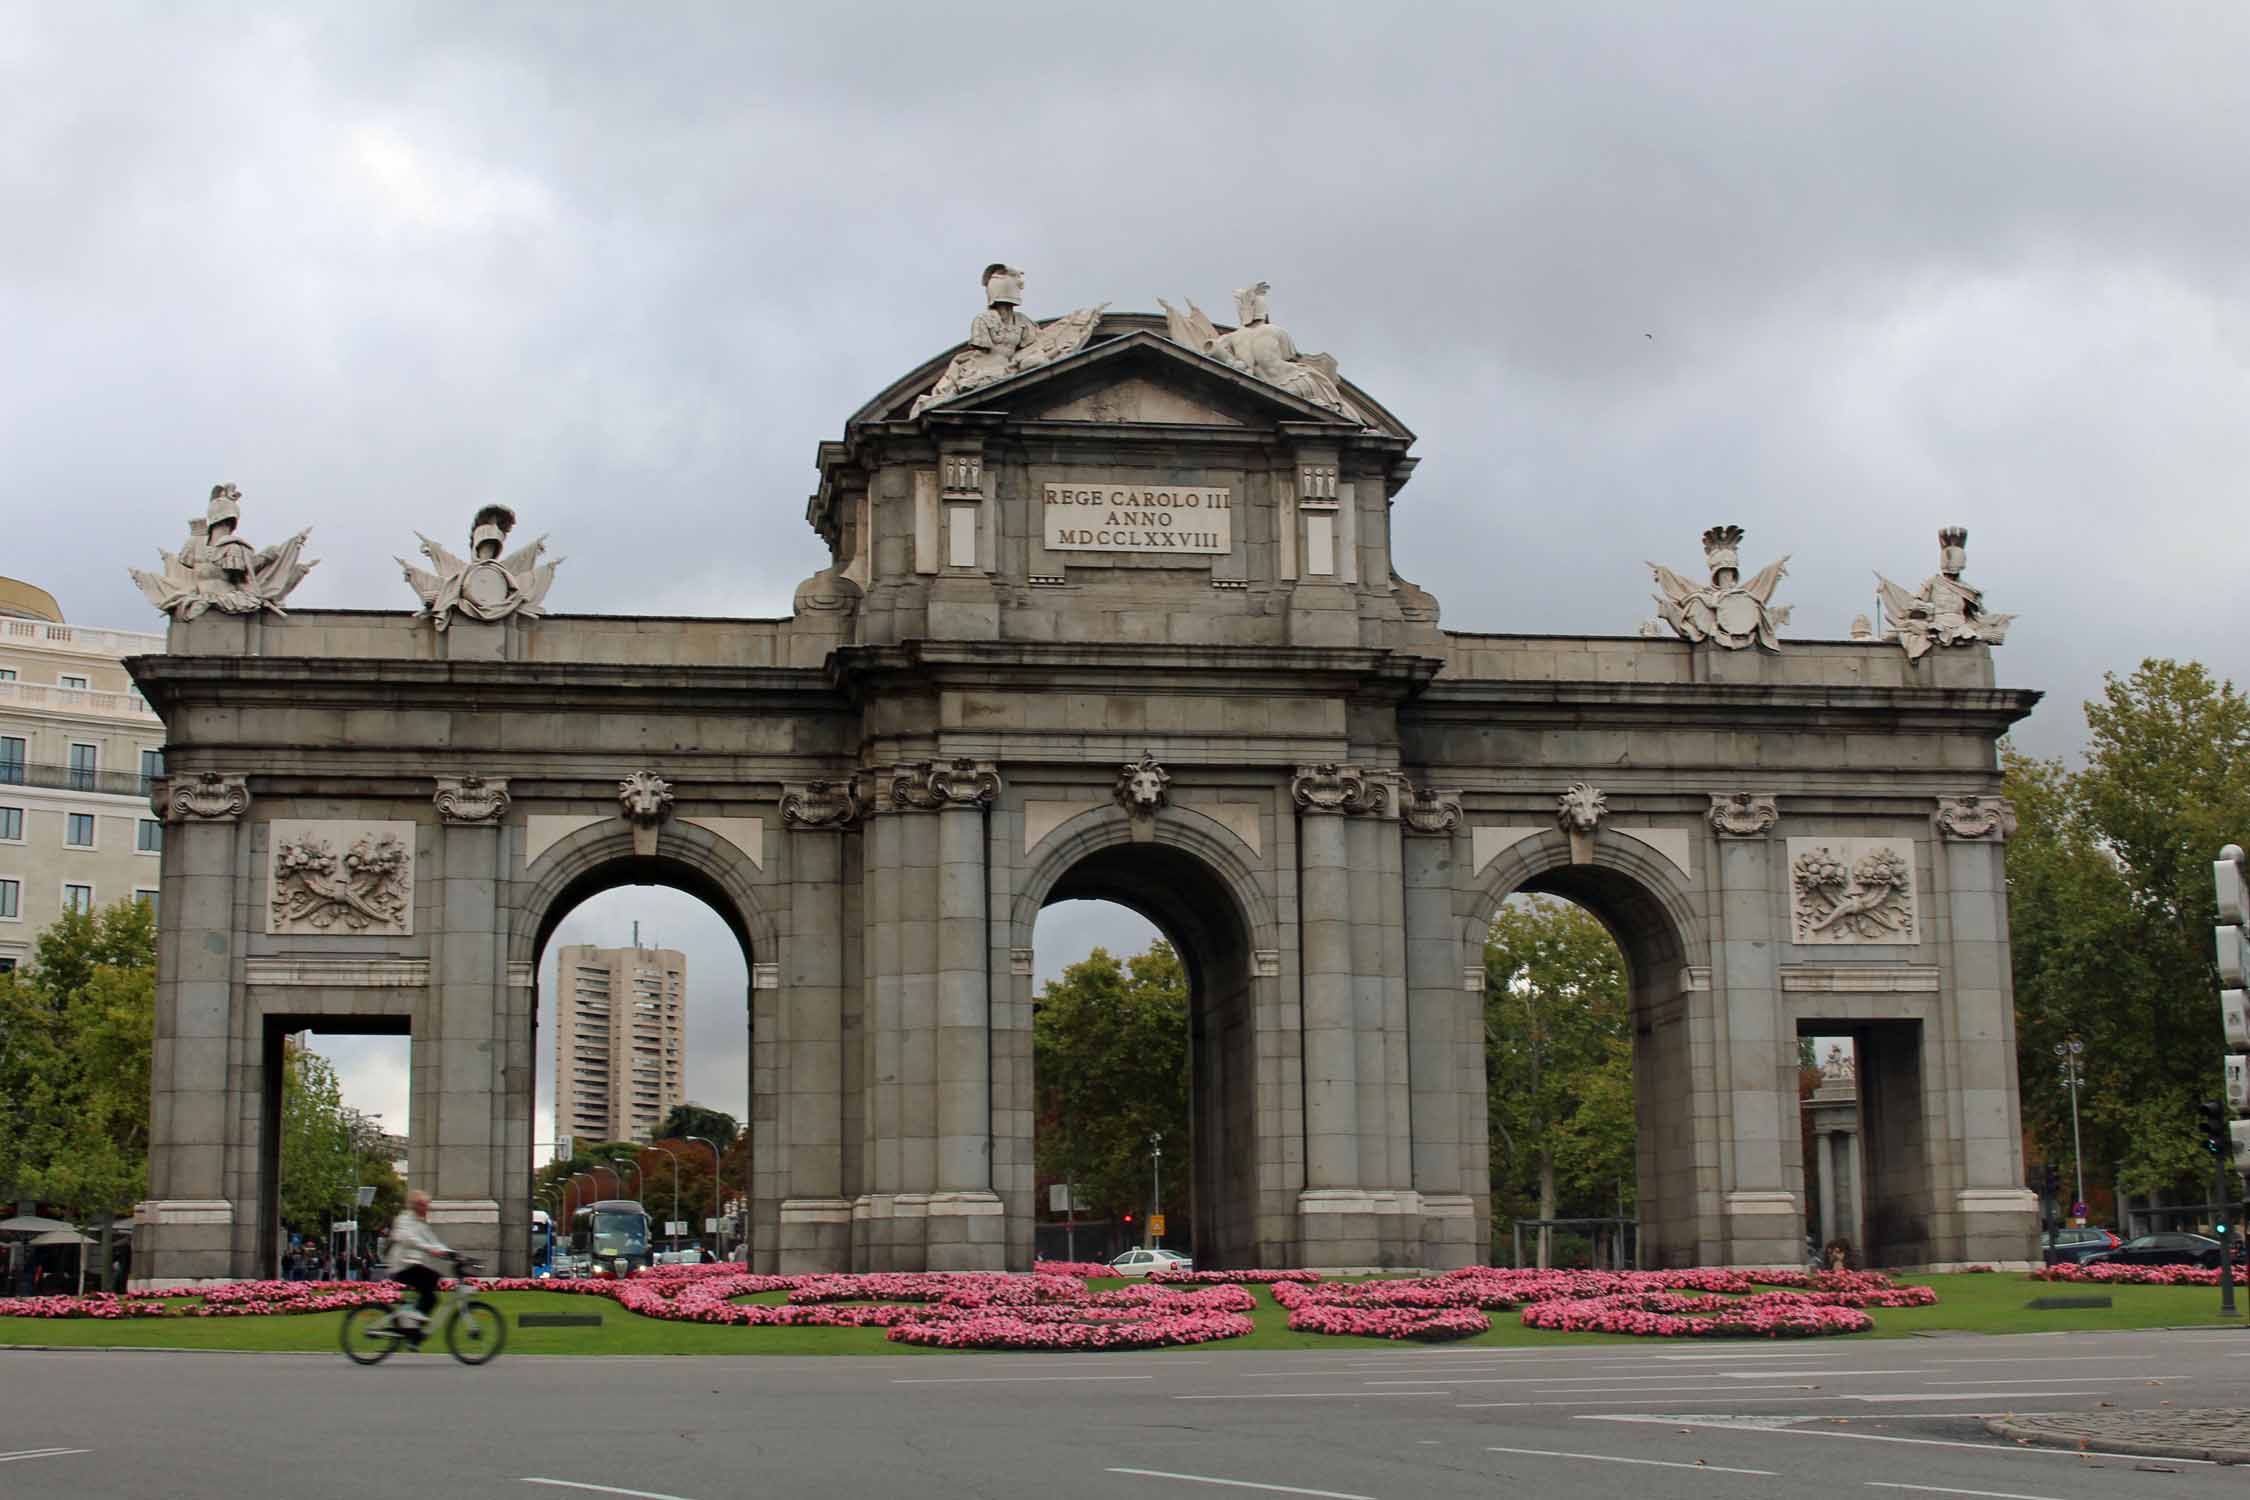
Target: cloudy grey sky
[{"x": 1838, "y": 273}]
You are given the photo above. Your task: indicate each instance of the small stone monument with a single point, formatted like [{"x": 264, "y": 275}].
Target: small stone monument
[{"x": 1945, "y": 611}]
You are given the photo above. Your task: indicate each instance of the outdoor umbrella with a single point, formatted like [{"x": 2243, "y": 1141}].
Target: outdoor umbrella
[
  {"x": 30, "y": 1224},
  {"x": 61, "y": 1237}
]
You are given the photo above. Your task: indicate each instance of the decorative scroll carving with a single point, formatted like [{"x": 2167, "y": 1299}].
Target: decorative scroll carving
[
  {"x": 1427, "y": 809},
  {"x": 1852, "y": 890},
  {"x": 1261, "y": 348},
  {"x": 644, "y": 799},
  {"x": 367, "y": 889},
  {"x": 1332, "y": 788},
  {"x": 1743, "y": 815},
  {"x": 1003, "y": 342},
  {"x": 207, "y": 797},
  {"x": 1581, "y": 808},
  {"x": 955, "y": 783},
  {"x": 472, "y": 799},
  {"x": 821, "y": 804},
  {"x": 218, "y": 570},
  {"x": 485, "y": 585},
  {"x": 1727, "y": 612},
  {"x": 1143, "y": 786},
  {"x": 1946, "y": 611},
  {"x": 1974, "y": 817}
]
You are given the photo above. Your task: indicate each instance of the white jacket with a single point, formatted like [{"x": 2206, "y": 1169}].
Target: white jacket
[{"x": 412, "y": 1244}]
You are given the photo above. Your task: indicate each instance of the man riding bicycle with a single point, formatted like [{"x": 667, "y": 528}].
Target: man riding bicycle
[{"x": 416, "y": 1256}]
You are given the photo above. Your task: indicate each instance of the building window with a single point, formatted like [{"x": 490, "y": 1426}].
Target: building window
[
  {"x": 85, "y": 760},
  {"x": 147, "y": 898},
  {"x": 12, "y": 759},
  {"x": 11, "y": 899},
  {"x": 7, "y": 965},
  {"x": 77, "y": 683},
  {"x": 78, "y": 830},
  {"x": 150, "y": 837},
  {"x": 152, "y": 769},
  {"x": 11, "y": 825},
  {"x": 7, "y": 674},
  {"x": 78, "y": 898}
]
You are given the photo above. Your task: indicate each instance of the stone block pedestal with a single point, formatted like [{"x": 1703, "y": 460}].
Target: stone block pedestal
[
  {"x": 1351, "y": 1227},
  {"x": 816, "y": 1236},
  {"x": 182, "y": 1242}
]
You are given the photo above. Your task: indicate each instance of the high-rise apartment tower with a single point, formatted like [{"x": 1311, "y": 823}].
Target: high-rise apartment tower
[{"x": 619, "y": 1040}]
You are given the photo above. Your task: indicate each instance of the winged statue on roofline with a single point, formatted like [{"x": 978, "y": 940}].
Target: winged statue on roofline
[
  {"x": 1260, "y": 347},
  {"x": 218, "y": 570},
  {"x": 1726, "y": 612},
  {"x": 1945, "y": 611},
  {"x": 484, "y": 585}
]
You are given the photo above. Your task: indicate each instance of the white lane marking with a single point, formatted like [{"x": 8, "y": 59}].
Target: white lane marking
[
  {"x": 23, "y": 1453},
  {"x": 1006, "y": 1379},
  {"x": 1591, "y": 1398},
  {"x": 1654, "y": 1463},
  {"x": 1313, "y": 1396},
  {"x": 1939, "y": 1489},
  {"x": 1241, "y": 1484},
  {"x": 1765, "y": 1424},
  {"x": 602, "y": 1489},
  {"x": 1980, "y": 1395},
  {"x": 2076, "y": 1359}
]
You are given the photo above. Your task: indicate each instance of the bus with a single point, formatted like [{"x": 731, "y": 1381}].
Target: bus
[
  {"x": 542, "y": 1243},
  {"x": 610, "y": 1238}
]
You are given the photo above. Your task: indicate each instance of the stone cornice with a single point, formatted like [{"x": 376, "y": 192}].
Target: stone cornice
[
  {"x": 350, "y": 682},
  {"x": 1292, "y": 671},
  {"x": 1750, "y": 707}
]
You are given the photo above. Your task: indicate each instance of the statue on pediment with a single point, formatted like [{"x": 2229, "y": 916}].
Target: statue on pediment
[
  {"x": 1945, "y": 611},
  {"x": 219, "y": 570},
  {"x": 1726, "y": 612},
  {"x": 484, "y": 585},
  {"x": 1004, "y": 342},
  {"x": 1260, "y": 347}
]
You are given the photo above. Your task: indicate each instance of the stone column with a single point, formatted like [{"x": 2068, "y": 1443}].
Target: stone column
[
  {"x": 815, "y": 1232},
  {"x": 1764, "y": 1220},
  {"x": 1335, "y": 1213},
  {"x": 967, "y": 1223},
  {"x": 483, "y": 1125},
  {"x": 1441, "y": 1018},
  {"x": 883, "y": 878},
  {"x": 185, "y": 1229},
  {"x": 1998, "y": 1215}
]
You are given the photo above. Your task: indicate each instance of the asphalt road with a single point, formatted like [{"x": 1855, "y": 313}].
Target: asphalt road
[{"x": 1894, "y": 1420}]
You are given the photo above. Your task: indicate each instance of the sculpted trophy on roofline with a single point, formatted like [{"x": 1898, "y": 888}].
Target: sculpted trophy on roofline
[
  {"x": 1260, "y": 347},
  {"x": 218, "y": 570},
  {"x": 1004, "y": 342}
]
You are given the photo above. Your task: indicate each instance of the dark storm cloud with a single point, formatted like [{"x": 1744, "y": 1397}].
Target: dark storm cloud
[{"x": 1839, "y": 273}]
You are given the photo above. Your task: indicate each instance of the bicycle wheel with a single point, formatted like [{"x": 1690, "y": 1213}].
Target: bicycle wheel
[
  {"x": 476, "y": 1333},
  {"x": 367, "y": 1336}
]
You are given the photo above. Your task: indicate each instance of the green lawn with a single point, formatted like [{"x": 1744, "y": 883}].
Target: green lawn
[{"x": 1967, "y": 1303}]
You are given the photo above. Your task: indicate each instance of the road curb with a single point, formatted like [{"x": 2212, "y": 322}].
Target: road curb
[{"x": 2140, "y": 1448}]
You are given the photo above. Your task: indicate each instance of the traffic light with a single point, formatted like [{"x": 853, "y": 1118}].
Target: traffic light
[
  {"x": 2053, "y": 1179},
  {"x": 1128, "y": 1218},
  {"x": 2217, "y": 1137}
]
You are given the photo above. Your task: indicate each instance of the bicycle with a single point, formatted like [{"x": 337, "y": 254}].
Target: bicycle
[{"x": 475, "y": 1333}]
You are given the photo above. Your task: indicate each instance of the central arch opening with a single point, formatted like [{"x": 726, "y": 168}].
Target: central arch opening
[{"x": 1210, "y": 1177}]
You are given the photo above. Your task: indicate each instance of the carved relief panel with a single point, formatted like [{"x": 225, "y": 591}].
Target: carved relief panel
[
  {"x": 342, "y": 878},
  {"x": 1852, "y": 891}
]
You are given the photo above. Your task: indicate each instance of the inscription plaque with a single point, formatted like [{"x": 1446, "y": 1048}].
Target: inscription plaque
[{"x": 1192, "y": 519}]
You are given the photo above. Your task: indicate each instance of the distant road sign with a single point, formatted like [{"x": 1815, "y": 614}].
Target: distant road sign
[
  {"x": 1156, "y": 1223},
  {"x": 710, "y": 1226},
  {"x": 675, "y": 1226},
  {"x": 2078, "y": 1210}
]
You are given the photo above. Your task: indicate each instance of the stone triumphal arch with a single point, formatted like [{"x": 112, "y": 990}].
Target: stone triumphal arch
[{"x": 1110, "y": 612}]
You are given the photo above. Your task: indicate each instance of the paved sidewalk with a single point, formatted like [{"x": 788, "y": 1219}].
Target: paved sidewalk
[{"x": 2222, "y": 1436}]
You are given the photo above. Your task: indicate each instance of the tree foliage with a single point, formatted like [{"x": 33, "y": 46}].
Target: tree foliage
[
  {"x": 76, "y": 1031},
  {"x": 2110, "y": 908},
  {"x": 319, "y": 1160},
  {"x": 685, "y": 1120},
  {"x": 1110, "y": 1054},
  {"x": 1558, "y": 1063}
]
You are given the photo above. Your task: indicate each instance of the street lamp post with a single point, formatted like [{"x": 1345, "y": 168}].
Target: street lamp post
[
  {"x": 668, "y": 1151},
  {"x": 1156, "y": 1178},
  {"x": 2070, "y": 1066},
  {"x": 640, "y": 1178},
  {"x": 718, "y": 1185}
]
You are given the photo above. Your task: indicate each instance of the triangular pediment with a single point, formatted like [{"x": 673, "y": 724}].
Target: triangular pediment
[{"x": 1138, "y": 398}]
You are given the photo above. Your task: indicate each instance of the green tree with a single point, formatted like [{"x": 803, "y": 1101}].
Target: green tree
[
  {"x": 319, "y": 1160},
  {"x": 2110, "y": 910},
  {"x": 1109, "y": 1048},
  {"x": 75, "y": 1036},
  {"x": 685, "y": 1120},
  {"x": 1558, "y": 1064}
]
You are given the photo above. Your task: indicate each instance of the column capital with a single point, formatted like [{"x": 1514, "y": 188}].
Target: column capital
[
  {"x": 1743, "y": 815},
  {"x": 1971, "y": 818},
  {"x": 929, "y": 785},
  {"x": 1346, "y": 790},
  {"x": 206, "y": 797},
  {"x": 822, "y": 805},
  {"x": 471, "y": 800},
  {"x": 1428, "y": 810}
]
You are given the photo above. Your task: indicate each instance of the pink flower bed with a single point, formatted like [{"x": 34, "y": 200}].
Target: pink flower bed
[
  {"x": 1176, "y": 1277},
  {"x": 2107, "y": 1271},
  {"x": 92, "y": 1305},
  {"x": 1391, "y": 1322},
  {"x": 1084, "y": 1270},
  {"x": 1671, "y": 1315}
]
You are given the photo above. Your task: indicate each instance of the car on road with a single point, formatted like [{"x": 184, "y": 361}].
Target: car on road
[
  {"x": 2170, "y": 1249},
  {"x": 1141, "y": 1262},
  {"x": 2072, "y": 1246}
]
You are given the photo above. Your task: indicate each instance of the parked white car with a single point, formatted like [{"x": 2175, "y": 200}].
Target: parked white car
[{"x": 1141, "y": 1262}]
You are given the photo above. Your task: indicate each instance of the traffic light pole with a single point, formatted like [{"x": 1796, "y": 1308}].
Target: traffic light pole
[{"x": 2223, "y": 1195}]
